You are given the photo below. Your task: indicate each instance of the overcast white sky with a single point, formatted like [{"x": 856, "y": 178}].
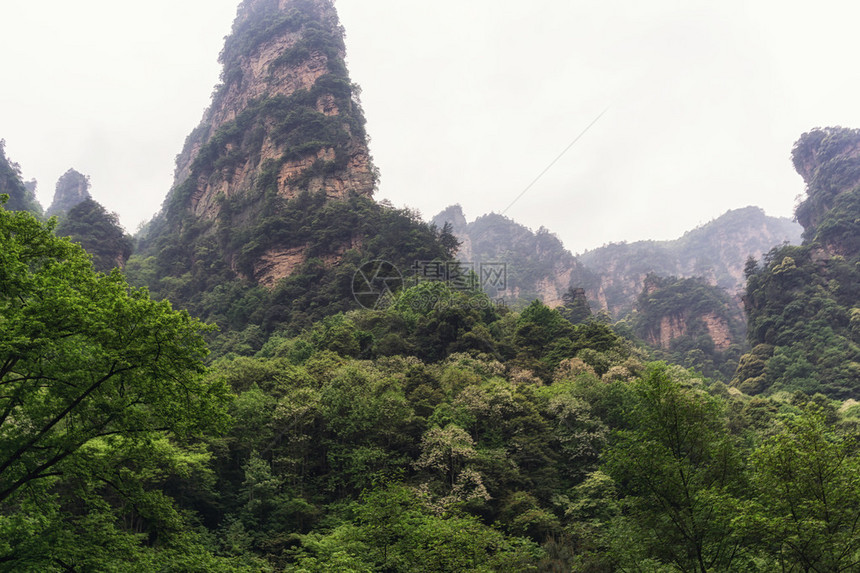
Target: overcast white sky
[{"x": 467, "y": 102}]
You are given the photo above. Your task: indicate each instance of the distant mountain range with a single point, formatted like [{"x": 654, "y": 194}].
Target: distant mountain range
[{"x": 613, "y": 276}]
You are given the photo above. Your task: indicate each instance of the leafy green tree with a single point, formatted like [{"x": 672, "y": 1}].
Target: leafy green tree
[
  {"x": 91, "y": 372},
  {"x": 394, "y": 531},
  {"x": 680, "y": 473},
  {"x": 98, "y": 232},
  {"x": 808, "y": 479}
]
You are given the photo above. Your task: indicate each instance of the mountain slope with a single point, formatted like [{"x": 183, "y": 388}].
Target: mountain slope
[
  {"x": 271, "y": 213},
  {"x": 614, "y": 276},
  {"x": 715, "y": 251},
  {"x": 803, "y": 303},
  {"x": 537, "y": 265},
  {"x": 22, "y": 197}
]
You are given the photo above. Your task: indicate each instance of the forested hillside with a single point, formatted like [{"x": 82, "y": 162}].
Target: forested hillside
[
  {"x": 680, "y": 297},
  {"x": 691, "y": 323},
  {"x": 803, "y": 302},
  {"x": 441, "y": 433},
  {"x": 537, "y": 263},
  {"x": 290, "y": 377}
]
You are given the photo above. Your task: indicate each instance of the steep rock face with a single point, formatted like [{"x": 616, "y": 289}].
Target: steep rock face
[
  {"x": 719, "y": 331},
  {"x": 670, "y": 328},
  {"x": 285, "y": 110},
  {"x": 284, "y": 121},
  {"x": 73, "y": 188},
  {"x": 674, "y": 327},
  {"x": 716, "y": 252},
  {"x": 691, "y": 322}
]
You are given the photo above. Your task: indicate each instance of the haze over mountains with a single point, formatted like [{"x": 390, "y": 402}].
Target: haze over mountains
[
  {"x": 251, "y": 385},
  {"x": 613, "y": 275}
]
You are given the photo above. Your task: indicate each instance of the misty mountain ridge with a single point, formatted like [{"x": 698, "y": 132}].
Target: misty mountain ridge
[{"x": 614, "y": 275}]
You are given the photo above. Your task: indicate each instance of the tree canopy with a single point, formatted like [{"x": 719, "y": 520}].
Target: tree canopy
[{"x": 94, "y": 377}]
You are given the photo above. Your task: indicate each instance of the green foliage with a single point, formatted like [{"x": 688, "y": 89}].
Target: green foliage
[
  {"x": 826, "y": 159},
  {"x": 394, "y": 531},
  {"x": 101, "y": 387},
  {"x": 98, "y": 232},
  {"x": 678, "y": 468},
  {"x": 800, "y": 305},
  {"x": 808, "y": 477},
  {"x": 576, "y": 308}
]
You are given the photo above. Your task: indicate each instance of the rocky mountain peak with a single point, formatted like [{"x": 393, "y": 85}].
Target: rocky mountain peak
[
  {"x": 284, "y": 127},
  {"x": 285, "y": 117},
  {"x": 72, "y": 189},
  {"x": 828, "y": 159},
  {"x": 454, "y": 216}
]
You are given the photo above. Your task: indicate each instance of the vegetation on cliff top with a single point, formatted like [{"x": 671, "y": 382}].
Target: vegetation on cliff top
[
  {"x": 331, "y": 240},
  {"x": 698, "y": 310},
  {"x": 98, "y": 232},
  {"x": 20, "y": 198},
  {"x": 803, "y": 303}
]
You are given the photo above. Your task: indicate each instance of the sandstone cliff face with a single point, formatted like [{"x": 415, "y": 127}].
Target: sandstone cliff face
[
  {"x": 718, "y": 330},
  {"x": 72, "y": 189},
  {"x": 671, "y": 327},
  {"x": 283, "y": 62},
  {"x": 284, "y": 121},
  {"x": 676, "y": 326},
  {"x": 716, "y": 252}
]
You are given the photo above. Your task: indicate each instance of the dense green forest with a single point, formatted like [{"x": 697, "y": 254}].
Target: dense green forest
[
  {"x": 441, "y": 433},
  {"x": 98, "y": 232},
  {"x": 803, "y": 303},
  {"x": 220, "y": 400}
]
